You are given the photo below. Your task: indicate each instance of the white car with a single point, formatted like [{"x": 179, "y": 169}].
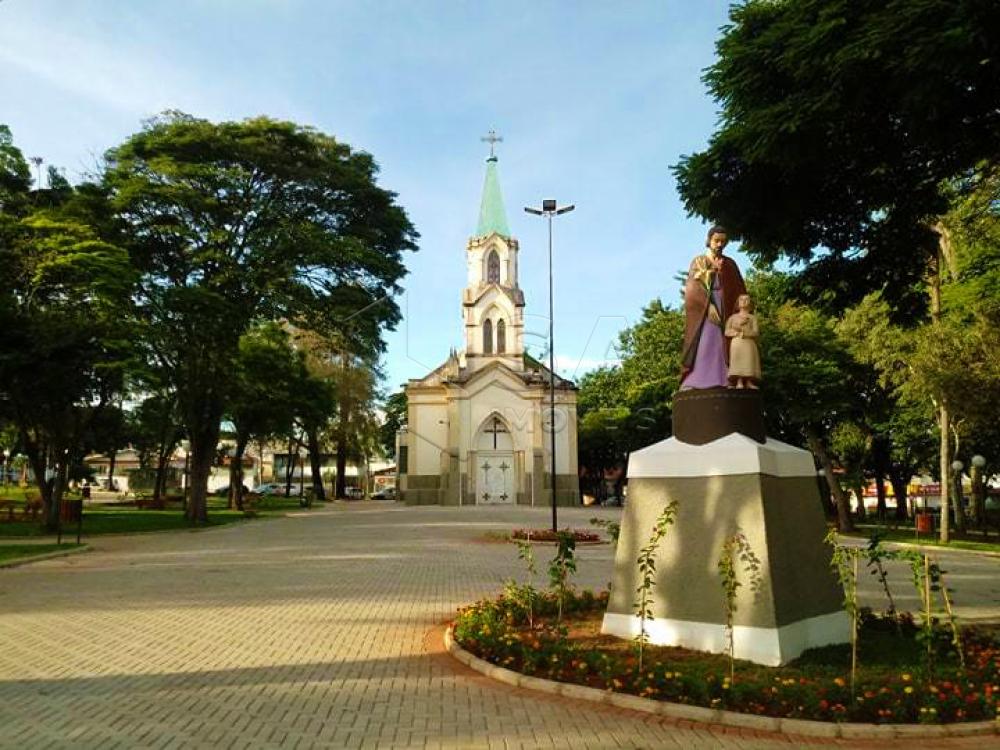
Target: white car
[{"x": 278, "y": 488}]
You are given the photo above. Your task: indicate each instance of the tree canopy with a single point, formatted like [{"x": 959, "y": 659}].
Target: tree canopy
[
  {"x": 842, "y": 123},
  {"x": 235, "y": 223}
]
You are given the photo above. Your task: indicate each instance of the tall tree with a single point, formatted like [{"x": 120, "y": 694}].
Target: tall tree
[
  {"x": 63, "y": 293},
  {"x": 843, "y": 125},
  {"x": 394, "y": 417},
  {"x": 156, "y": 429},
  {"x": 238, "y": 222},
  {"x": 351, "y": 374}
]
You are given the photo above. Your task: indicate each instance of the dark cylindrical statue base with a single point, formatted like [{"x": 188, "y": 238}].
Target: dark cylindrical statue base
[{"x": 701, "y": 416}]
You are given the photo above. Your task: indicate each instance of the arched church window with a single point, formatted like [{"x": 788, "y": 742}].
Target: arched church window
[
  {"x": 487, "y": 336},
  {"x": 493, "y": 268},
  {"x": 501, "y": 336}
]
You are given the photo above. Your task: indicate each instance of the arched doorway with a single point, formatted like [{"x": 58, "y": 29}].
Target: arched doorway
[{"x": 495, "y": 468}]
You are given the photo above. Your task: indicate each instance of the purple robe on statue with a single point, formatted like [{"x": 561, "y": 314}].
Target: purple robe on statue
[{"x": 710, "y": 369}]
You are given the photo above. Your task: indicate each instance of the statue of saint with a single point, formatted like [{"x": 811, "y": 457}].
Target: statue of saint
[
  {"x": 711, "y": 293},
  {"x": 744, "y": 356}
]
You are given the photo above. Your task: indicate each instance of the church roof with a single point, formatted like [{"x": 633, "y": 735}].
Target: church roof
[
  {"x": 449, "y": 373},
  {"x": 492, "y": 214}
]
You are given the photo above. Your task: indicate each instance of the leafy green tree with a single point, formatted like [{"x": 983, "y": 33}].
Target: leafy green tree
[
  {"x": 394, "y": 410},
  {"x": 807, "y": 385},
  {"x": 262, "y": 399},
  {"x": 238, "y": 222},
  {"x": 156, "y": 429},
  {"x": 355, "y": 423},
  {"x": 107, "y": 434},
  {"x": 62, "y": 296},
  {"x": 15, "y": 175},
  {"x": 623, "y": 408},
  {"x": 846, "y": 127},
  {"x": 315, "y": 406}
]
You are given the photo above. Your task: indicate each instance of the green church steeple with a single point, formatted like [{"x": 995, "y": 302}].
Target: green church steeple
[{"x": 492, "y": 215}]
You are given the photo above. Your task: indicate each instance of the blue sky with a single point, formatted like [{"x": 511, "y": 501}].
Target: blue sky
[{"x": 595, "y": 101}]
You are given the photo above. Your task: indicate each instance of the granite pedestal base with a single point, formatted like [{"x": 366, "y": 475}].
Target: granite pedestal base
[{"x": 767, "y": 490}]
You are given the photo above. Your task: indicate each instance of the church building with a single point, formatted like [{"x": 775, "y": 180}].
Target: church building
[{"x": 477, "y": 429}]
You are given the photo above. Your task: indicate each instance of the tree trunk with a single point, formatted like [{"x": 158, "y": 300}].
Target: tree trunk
[
  {"x": 341, "y": 469},
  {"x": 958, "y": 503},
  {"x": 204, "y": 440},
  {"x": 978, "y": 497},
  {"x": 945, "y": 467},
  {"x": 844, "y": 522},
  {"x": 316, "y": 464},
  {"x": 934, "y": 280},
  {"x": 859, "y": 491},
  {"x": 344, "y": 419},
  {"x": 236, "y": 472},
  {"x": 162, "y": 459},
  {"x": 290, "y": 467},
  {"x": 112, "y": 460},
  {"x": 58, "y": 489},
  {"x": 37, "y": 454},
  {"x": 899, "y": 490},
  {"x": 881, "y": 511}
]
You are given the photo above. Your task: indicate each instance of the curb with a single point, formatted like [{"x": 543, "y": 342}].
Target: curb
[
  {"x": 929, "y": 548},
  {"x": 680, "y": 711},
  {"x": 932, "y": 549},
  {"x": 45, "y": 556}
]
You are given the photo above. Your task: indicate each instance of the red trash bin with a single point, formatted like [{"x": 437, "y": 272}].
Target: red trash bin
[
  {"x": 925, "y": 523},
  {"x": 70, "y": 511}
]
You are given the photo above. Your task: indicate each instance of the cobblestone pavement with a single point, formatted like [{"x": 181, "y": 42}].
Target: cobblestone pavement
[{"x": 308, "y": 631}]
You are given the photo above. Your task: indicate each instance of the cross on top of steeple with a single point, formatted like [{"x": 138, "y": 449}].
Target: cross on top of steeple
[{"x": 492, "y": 138}]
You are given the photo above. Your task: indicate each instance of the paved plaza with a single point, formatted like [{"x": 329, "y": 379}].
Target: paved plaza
[{"x": 316, "y": 630}]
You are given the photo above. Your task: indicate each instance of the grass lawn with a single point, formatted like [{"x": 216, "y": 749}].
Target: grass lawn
[
  {"x": 908, "y": 536},
  {"x": 10, "y": 552},
  {"x": 123, "y": 519}
]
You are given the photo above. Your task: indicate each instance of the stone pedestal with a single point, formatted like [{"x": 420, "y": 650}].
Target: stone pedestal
[{"x": 765, "y": 489}]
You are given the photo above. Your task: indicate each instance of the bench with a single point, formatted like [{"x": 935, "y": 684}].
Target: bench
[
  {"x": 33, "y": 507},
  {"x": 30, "y": 511},
  {"x": 149, "y": 502},
  {"x": 7, "y": 509}
]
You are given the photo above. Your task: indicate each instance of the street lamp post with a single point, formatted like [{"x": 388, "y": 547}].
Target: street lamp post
[
  {"x": 548, "y": 210},
  {"x": 959, "y": 505},
  {"x": 978, "y": 496}
]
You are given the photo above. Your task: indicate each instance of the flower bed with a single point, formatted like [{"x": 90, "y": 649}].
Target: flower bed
[
  {"x": 547, "y": 535},
  {"x": 893, "y": 683}
]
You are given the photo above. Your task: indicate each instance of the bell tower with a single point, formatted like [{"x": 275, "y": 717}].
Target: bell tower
[{"x": 492, "y": 301}]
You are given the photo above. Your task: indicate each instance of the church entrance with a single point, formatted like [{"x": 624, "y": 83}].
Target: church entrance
[{"x": 495, "y": 468}]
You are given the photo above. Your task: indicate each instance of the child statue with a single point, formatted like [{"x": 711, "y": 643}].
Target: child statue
[{"x": 744, "y": 358}]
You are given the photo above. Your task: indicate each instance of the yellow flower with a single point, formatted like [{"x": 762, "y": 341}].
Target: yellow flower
[
  {"x": 838, "y": 681},
  {"x": 906, "y": 677},
  {"x": 908, "y": 689}
]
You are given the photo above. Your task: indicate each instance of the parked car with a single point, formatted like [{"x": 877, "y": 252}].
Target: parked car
[
  {"x": 224, "y": 491},
  {"x": 386, "y": 493},
  {"x": 353, "y": 493},
  {"x": 278, "y": 488}
]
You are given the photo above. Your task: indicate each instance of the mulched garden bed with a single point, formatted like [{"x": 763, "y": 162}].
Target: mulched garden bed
[
  {"x": 547, "y": 535},
  {"x": 895, "y": 683}
]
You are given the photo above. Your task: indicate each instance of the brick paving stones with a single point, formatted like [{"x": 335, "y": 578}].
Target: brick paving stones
[{"x": 316, "y": 630}]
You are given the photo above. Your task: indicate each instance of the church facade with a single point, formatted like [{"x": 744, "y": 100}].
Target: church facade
[{"x": 478, "y": 426}]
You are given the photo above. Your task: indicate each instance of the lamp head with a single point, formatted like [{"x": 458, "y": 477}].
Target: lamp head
[{"x": 978, "y": 461}]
